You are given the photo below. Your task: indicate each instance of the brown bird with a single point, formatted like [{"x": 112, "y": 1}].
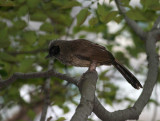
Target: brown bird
[{"x": 83, "y": 53}]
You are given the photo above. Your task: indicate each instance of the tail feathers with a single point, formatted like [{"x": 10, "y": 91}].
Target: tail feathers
[{"x": 127, "y": 75}]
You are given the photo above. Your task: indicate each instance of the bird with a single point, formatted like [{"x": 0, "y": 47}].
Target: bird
[{"x": 84, "y": 53}]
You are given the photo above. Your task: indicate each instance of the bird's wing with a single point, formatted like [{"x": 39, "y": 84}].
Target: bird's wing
[{"x": 87, "y": 50}]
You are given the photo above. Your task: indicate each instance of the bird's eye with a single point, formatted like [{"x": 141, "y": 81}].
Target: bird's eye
[{"x": 55, "y": 50}]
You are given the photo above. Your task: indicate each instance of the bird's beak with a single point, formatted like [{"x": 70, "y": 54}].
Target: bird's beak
[{"x": 48, "y": 56}]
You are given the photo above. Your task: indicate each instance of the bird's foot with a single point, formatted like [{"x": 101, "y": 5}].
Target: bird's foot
[{"x": 92, "y": 66}]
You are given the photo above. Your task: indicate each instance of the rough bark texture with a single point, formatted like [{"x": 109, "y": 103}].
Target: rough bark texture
[{"x": 87, "y": 87}]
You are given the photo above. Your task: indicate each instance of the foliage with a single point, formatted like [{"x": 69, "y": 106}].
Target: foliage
[{"x": 29, "y": 25}]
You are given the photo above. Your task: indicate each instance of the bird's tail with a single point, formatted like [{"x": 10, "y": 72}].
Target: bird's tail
[{"x": 127, "y": 75}]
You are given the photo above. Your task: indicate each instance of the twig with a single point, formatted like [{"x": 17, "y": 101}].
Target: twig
[
  {"x": 156, "y": 23},
  {"x": 46, "y": 95},
  {"x": 46, "y": 99},
  {"x": 156, "y": 29},
  {"x": 130, "y": 22}
]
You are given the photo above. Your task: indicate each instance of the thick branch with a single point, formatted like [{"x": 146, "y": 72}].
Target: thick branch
[
  {"x": 130, "y": 22},
  {"x": 135, "y": 111},
  {"x": 120, "y": 115},
  {"x": 152, "y": 73},
  {"x": 87, "y": 88}
]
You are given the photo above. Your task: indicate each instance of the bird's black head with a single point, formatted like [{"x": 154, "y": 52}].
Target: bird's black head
[{"x": 53, "y": 51}]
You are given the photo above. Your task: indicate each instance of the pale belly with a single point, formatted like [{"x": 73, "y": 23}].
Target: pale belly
[{"x": 74, "y": 61}]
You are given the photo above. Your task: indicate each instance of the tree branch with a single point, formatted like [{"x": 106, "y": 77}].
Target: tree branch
[
  {"x": 120, "y": 115},
  {"x": 45, "y": 74},
  {"x": 46, "y": 99},
  {"x": 135, "y": 111},
  {"x": 156, "y": 23},
  {"x": 28, "y": 52},
  {"x": 156, "y": 29},
  {"x": 46, "y": 94},
  {"x": 87, "y": 87},
  {"x": 152, "y": 73},
  {"x": 130, "y": 22}
]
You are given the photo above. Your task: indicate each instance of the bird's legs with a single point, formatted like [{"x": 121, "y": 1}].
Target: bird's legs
[{"x": 92, "y": 66}]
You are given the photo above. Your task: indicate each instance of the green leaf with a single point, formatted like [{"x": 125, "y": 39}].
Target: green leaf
[
  {"x": 65, "y": 109},
  {"x": 82, "y": 16},
  {"x": 30, "y": 36},
  {"x": 93, "y": 21},
  {"x": 103, "y": 76},
  {"x": 3, "y": 25},
  {"x": 102, "y": 10},
  {"x": 110, "y": 16},
  {"x": 7, "y": 3},
  {"x": 121, "y": 56},
  {"x": 70, "y": 4},
  {"x": 118, "y": 19},
  {"x": 8, "y": 15},
  {"x": 3, "y": 33},
  {"x": 31, "y": 114},
  {"x": 110, "y": 1},
  {"x": 21, "y": 1},
  {"x": 149, "y": 4},
  {"x": 136, "y": 14},
  {"x": 154, "y": 101},
  {"x": 4, "y": 42},
  {"x": 7, "y": 57},
  {"x": 146, "y": 3},
  {"x": 26, "y": 65},
  {"x": 61, "y": 119},
  {"x": 3, "y": 72},
  {"x": 2, "y": 65},
  {"x": 47, "y": 27},
  {"x": 129, "y": 99},
  {"x": 32, "y": 3},
  {"x": 58, "y": 2},
  {"x": 20, "y": 24},
  {"x": 23, "y": 10},
  {"x": 38, "y": 16},
  {"x": 60, "y": 18},
  {"x": 42, "y": 38}
]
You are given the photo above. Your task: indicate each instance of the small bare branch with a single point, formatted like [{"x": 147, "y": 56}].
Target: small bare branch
[
  {"x": 28, "y": 52},
  {"x": 46, "y": 99},
  {"x": 45, "y": 74},
  {"x": 156, "y": 29},
  {"x": 46, "y": 94},
  {"x": 156, "y": 24},
  {"x": 130, "y": 22}
]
